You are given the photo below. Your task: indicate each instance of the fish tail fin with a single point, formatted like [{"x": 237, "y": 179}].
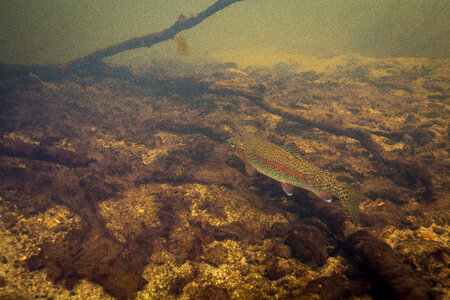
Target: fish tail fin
[{"x": 351, "y": 198}]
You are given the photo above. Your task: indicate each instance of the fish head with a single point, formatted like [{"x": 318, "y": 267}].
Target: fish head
[{"x": 237, "y": 143}]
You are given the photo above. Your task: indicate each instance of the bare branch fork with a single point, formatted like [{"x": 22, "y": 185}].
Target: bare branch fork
[
  {"x": 154, "y": 38},
  {"x": 94, "y": 61}
]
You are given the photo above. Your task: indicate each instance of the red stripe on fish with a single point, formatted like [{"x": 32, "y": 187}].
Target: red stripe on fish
[
  {"x": 284, "y": 169},
  {"x": 242, "y": 155}
]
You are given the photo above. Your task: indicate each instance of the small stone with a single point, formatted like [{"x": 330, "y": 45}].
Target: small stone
[
  {"x": 438, "y": 230},
  {"x": 3, "y": 281},
  {"x": 216, "y": 255},
  {"x": 282, "y": 250},
  {"x": 308, "y": 244}
]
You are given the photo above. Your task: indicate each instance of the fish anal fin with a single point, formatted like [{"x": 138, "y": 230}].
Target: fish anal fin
[
  {"x": 287, "y": 188},
  {"x": 323, "y": 195},
  {"x": 292, "y": 149},
  {"x": 250, "y": 170}
]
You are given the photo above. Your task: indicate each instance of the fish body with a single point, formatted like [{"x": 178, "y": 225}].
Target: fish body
[{"x": 286, "y": 165}]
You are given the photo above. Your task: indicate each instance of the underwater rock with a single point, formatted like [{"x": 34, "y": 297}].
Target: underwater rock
[
  {"x": 201, "y": 149},
  {"x": 386, "y": 264},
  {"x": 44, "y": 152},
  {"x": 278, "y": 229},
  {"x": 428, "y": 258},
  {"x": 282, "y": 250},
  {"x": 277, "y": 268},
  {"x": 238, "y": 235},
  {"x": 337, "y": 286},
  {"x": 422, "y": 136},
  {"x": 216, "y": 254},
  {"x": 211, "y": 292},
  {"x": 308, "y": 244},
  {"x": 2, "y": 281}
]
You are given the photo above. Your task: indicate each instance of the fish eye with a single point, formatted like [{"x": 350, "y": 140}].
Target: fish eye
[{"x": 233, "y": 145}]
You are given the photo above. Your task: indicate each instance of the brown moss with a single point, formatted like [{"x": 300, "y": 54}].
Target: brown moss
[
  {"x": 178, "y": 284},
  {"x": 382, "y": 259},
  {"x": 102, "y": 262},
  {"x": 276, "y": 268},
  {"x": 44, "y": 151},
  {"x": 337, "y": 286},
  {"x": 211, "y": 292},
  {"x": 2, "y": 281},
  {"x": 216, "y": 255},
  {"x": 308, "y": 244},
  {"x": 163, "y": 133}
]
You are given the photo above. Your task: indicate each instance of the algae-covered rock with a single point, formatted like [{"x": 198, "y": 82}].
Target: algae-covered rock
[
  {"x": 130, "y": 215},
  {"x": 167, "y": 210}
]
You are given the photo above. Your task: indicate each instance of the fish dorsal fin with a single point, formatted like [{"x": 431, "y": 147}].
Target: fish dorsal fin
[{"x": 292, "y": 149}]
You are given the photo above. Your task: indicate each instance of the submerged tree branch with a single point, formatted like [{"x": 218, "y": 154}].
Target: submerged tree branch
[
  {"x": 183, "y": 23},
  {"x": 93, "y": 62}
]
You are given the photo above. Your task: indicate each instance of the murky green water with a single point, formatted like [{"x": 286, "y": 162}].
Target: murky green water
[{"x": 117, "y": 179}]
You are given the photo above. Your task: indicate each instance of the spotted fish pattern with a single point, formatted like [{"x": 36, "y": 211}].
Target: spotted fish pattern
[{"x": 286, "y": 165}]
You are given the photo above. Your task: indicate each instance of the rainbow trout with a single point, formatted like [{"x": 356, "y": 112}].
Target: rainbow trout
[{"x": 286, "y": 165}]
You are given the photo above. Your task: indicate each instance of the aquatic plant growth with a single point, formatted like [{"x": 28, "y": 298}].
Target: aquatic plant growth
[
  {"x": 129, "y": 189},
  {"x": 118, "y": 182}
]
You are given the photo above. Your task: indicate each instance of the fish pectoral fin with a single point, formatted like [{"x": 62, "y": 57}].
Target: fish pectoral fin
[
  {"x": 250, "y": 170},
  {"x": 287, "y": 188}
]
